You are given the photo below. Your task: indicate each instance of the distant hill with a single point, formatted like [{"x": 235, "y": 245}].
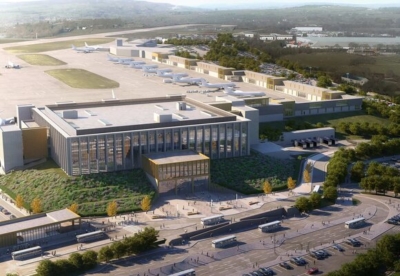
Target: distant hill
[{"x": 50, "y": 10}]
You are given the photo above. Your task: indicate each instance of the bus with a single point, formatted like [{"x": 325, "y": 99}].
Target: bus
[
  {"x": 222, "y": 242},
  {"x": 27, "y": 253},
  {"x": 212, "y": 220},
  {"x": 91, "y": 236},
  {"x": 317, "y": 189},
  {"x": 270, "y": 226},
  {"x": 188, "y": 272},
  {"x": 355, "y": 223}
]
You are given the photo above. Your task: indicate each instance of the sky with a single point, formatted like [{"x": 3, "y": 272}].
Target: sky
[
  {"x": 237, "y": 2},
  {"x": 196, "y": 3}
]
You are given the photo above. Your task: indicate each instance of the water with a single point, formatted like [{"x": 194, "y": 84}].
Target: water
[{"x": 344, "y": 41}]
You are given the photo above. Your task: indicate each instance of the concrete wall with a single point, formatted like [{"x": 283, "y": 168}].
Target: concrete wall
[
  {"x": 24, "y": 112},
  {"x": 254, "y": 124},
  {"x": 11, "y": 154}
]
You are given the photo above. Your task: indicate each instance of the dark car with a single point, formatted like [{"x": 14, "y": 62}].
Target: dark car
[
  {"x": 338, "y": 247},
  {"x": 266, "y": 271},
  {"x": 312, "y": 270},
  {"x": 285, "y": 265},
  {"x": 316, "y": 255},
  {"x": 295, "y": 261},
  {"x": 392, "y": 221},
  {"x": 302, "y": 261}
]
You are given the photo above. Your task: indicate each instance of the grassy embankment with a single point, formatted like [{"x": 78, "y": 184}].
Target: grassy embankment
[
  {"x": 41, "y": 60},
  {"x": 56, "y": 190},
  {"x": 79, "y": 78}
]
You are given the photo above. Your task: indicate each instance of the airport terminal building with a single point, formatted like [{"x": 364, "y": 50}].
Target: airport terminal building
[{"x": 114, "y": 135}]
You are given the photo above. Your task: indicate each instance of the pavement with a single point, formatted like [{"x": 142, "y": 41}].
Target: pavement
[{"x": 277, "y": 247}]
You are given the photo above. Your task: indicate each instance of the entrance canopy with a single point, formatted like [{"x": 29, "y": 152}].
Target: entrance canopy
[{"x": 176, "y": 170}]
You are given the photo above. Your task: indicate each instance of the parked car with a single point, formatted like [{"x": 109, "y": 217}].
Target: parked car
[
  {"x": 266, "y": 271},
  {"x": 338, "y": 247},
  {"x": 285, "y": 265},
  {"x": 312, "y": 270},
  {"x": 316, "y": 255},
  {"x": 296, "y": 261},
  {"x": 392, "y": 221},
  {"x": 12, "y": 217},
  {"x": 1, "y": 208},
  {"x": 5, "y": 211}
]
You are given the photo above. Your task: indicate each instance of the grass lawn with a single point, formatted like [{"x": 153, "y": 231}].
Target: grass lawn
[
  {"x": 41, "y": 60},
  {"x": 248, "y": 174},
  {"x": 331, "y": 120},
  {"x": 56, "y": 190},
  {"x": 59, "y": 45},
  {"x": 10, "y": 40},
  {"x": 79, "y": 78}
]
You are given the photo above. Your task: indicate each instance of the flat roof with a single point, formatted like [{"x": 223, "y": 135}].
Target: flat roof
[
  {"x": 133, "y": 114},
  {"x": 162, "y": 158},
  {"x": 36, "y": 221}
]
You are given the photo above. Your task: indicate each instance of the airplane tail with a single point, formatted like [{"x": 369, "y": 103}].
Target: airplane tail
[
  {"x": 73, "y": 47},
  {"x": 203, "y": 82},
  {"x": 112, "y": 93},
  {"x": 86, "y": 44}
]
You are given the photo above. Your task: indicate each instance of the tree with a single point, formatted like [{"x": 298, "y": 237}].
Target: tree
[
  {"x": 324, "y": 81},
  {"x": 291, "y": 184},
  {"x": 74, "y": 208},
  {"x": 36, "y": 206},
  {"x": 118, "y": 249},
  {"x": 76, "y": 260},
  {"x": 112, "y": 208},
  {"x": 306, "y": 176},
  {"x": 303, "y": 204},
  {"x": 64, "y": 267},
  {"x": 19, "y": 201},
  {"x": 105, "y": 254},
  {"x": 330, "y": 193},
  {"x": 315, "y": 200},
  {"x": 267, "y": 188},
  {"x": 146, "y": 203},
  {"x": 89, "y": 259},
  {"x": 46, "y": 268},
  {"x": 357, "y": 171}
]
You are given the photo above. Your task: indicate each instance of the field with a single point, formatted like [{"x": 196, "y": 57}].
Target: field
[
  {"x": 79, "y": 78},
  {"x": 343, "y": 63},
  {"x": 248, "y": 174},
  {"x": 59, "y": 45},
  {"x": 10, "y": 40},
  {"x": 329, "y": 120},
  {"x": 41, "y": 60},
  {"x": 92, "y": 193}
]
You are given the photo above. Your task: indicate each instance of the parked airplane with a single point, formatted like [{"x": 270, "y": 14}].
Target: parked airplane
[
  {"x": 154, "y": 70},
  {"x": 204, "y": 83},
  {"x": 134, "y": 64},
  {"x": 11, "y": 65},
  {"x": 163, "y": 74},
  {"x": 119, "y": 60},
  {"x": 189, "y": 81},
  {"x": 82, "y": 49},
  {"x": 231, "y": 91},
  {"x": 97, "y": 47}
]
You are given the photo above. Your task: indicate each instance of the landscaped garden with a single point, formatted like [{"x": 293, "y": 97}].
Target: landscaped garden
[
  {"x": 92, "y": 193},
  {"x": 248, "y": 174}
]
